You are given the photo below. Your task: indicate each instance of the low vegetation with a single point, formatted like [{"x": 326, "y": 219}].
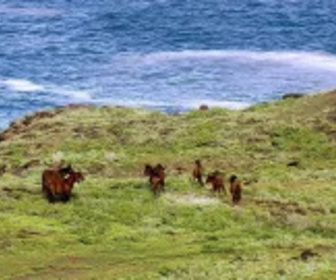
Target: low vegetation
[{"x": 114, "y": 228}]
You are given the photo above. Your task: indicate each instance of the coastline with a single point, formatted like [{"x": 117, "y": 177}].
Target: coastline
[{"x": 169, "y": 110}]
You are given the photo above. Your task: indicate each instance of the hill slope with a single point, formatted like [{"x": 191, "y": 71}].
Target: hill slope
[{"x": 114, "y": 229}]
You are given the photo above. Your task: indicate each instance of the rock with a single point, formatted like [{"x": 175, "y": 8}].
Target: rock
[
  {"x": 275, "y": 144},
  {"x": 292, "y": 95},
  {"x": 180, "y": 170},
  {"x": 3, "y": 169},
  {"x": 293, "y": 163},
  {"x": 204, "y": 107},
  {"x": 307, "y": 254}
]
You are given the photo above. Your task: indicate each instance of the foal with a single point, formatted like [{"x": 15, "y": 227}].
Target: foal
[
  {"x": 235, "y": 189},
  {"x": 197, "y": 172},
  {"x": 216, "y": 179}
]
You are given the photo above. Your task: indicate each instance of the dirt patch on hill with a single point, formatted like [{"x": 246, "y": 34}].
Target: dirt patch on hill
[
  {"x": 278, "y": 208},
  {"x": 192, "y": 199},
  {"x": 276, "y": 205}
]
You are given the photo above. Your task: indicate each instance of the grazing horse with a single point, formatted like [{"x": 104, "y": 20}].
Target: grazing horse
[
  {"x": 235, "y": 189},
  {"x": 156, "y": 177},
  {"x": 58, "y": 183},
  {"x": 216, "y": 179},
  {"x": 197, "y": 172}
]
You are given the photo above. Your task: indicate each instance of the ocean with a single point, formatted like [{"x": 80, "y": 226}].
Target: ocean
[{"x": 169, "y": 55}]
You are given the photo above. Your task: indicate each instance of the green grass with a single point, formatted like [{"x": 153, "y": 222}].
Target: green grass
[{"x": 114, "y": 228}]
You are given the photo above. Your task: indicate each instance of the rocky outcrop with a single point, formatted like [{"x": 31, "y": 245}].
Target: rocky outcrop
[
  {"x": 204, "y": 107},
  {"x": 22, "y": 125},
  {"x": 292, "y": 95}
]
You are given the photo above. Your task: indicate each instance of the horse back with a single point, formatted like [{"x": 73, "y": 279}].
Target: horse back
[{"x": 52, "y": 181}]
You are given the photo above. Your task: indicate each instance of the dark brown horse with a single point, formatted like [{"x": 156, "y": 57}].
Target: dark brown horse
[
  {"x": 216, "y": 179},
  {"x": 235, "y": 189},
  {"x": 58, "y": 183},
  {"x": 156, "y": 177},
  {"x": 197, "y": 173}
]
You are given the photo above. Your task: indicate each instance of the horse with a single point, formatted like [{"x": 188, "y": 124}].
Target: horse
[
  {"x": 156, "y": 177},
  {"x": 197, "y": 172},
  {"x": 59, "y": 182},
  {"x": 216, "y": 179},
  {"x": 235, "y": 189}
]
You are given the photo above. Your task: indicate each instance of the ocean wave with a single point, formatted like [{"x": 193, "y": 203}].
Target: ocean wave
[
  {"x": 318, "y": 60},
  {"x": 26, "y": 86},
  {"x": 21, "y": 85},
  {"x": 22, "y": 11},
  {"x": 130, "y": 103},
  {"x": 82, "y": 95}
]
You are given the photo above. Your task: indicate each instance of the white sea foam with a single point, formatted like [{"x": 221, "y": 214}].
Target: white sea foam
[
  {"x": 21, "y": 85},
  {"x": 26, "y": 86},
  {"x": 318, "y": 60},
  {"x": 131, "y": 103},
  {"x": 24, "y": 11},
  {"x": 235, "y": 105},
  {"x": 76, "y": 94}
]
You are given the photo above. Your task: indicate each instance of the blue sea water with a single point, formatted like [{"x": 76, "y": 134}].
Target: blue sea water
[{"x": 166, "y": 54}]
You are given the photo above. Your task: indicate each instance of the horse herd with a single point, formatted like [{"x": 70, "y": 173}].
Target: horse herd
[
  {"x": 58, "y": 182},
  {"x": 156, "y": 176}
]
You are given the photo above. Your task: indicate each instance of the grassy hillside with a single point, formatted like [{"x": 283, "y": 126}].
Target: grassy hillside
[{"x": 114, "y": 228}]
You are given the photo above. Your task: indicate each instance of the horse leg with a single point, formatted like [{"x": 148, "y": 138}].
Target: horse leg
[
  {"x": 162, "y": 186},
  {"x": 154, "y": 190},
  {"x": 49, "y": 195},
  {"x": 214, "y": 189},
  {"x": 65, "y": 197},
  {"x": 199, "y": 180}
]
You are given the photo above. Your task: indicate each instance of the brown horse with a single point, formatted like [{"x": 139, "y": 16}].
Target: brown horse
[
  {"x": 156, "y": 177},
  {"x": 198, "y": 172},
  {"x": 58, "y": 183},
  {"x": 235, "y": 189},
  {"x": 216, "y": 179}
]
